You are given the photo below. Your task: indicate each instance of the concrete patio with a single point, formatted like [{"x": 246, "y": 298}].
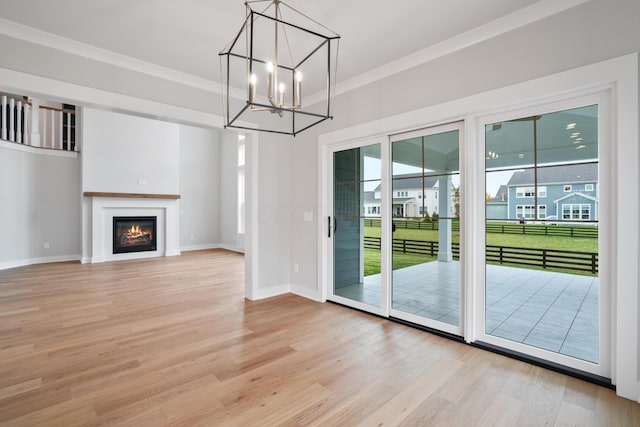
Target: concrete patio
[{"x": 553, "y": 311}]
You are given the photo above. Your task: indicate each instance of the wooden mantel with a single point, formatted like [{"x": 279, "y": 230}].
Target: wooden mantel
[{"x": 131, "y": 195}]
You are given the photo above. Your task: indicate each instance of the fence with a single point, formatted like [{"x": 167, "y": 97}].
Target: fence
[
  {"x": 528, "y": 229},
  {"x": 532, "y": 257}
]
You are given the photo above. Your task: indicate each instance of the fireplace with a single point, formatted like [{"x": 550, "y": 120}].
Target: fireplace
[{"x": 134, "y": 234}]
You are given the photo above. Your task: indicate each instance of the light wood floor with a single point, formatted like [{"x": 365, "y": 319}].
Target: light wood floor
[{"x": 172, "y": 341}]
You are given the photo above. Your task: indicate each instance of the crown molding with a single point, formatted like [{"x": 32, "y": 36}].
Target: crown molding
[
  {"x": 522, "y": 17},
  {"x": 512, "y": 21},
  {"x": 33, "y": 35}
]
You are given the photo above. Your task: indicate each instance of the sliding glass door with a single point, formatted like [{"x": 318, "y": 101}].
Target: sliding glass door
[
  {"x": 542, "y": 288},
  {"x": 396, "y": 247},
  {"x": 356, "y": 217},
  {"x": 425, "y": 285},
  {"x": 503, "y": 239}
]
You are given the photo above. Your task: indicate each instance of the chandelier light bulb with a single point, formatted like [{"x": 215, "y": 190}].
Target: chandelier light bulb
[
  {"x": 297, "y": 91},
  {"x": 281, "y": 99},
  {"x": 270, "y": 67},
  {"x": 252, "y": 87}
]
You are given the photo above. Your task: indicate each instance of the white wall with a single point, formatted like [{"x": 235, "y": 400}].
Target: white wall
[
  {"x": 128, "y": 154},
  {"x": 229, "y": 191},
  {"x": 275, "y": 214},
  {"x": 40, "y": 197},
  {"x": 200, "y": 177}
]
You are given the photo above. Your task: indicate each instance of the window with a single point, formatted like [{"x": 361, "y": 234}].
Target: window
[
  {"x": 542, "y": 191},
  {"x": 542, "y": 211},
  {"x": 241, "y": 162},
  {"x": 545, "y": 154},
  {"x": 588, "y": 187},
  {"x": 524, "y": 192},
  {"x": 525, "y": 211},
  {"x": 576, "y": 212}
]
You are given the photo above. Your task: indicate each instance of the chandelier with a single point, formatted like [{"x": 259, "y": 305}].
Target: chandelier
[{"x": 278, "y": 54}]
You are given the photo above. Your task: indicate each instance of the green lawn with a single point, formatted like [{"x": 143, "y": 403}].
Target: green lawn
[
  {"x": 579, "y": 244},
  {"x": 372, "y": 261},
  {"x": 372, "y": 256}
]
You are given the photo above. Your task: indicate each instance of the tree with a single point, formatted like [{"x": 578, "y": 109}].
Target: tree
[{"x": 456, "y": 202}]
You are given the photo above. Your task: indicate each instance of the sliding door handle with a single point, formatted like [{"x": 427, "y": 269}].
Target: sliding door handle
[{"x": 329, "y": 227}]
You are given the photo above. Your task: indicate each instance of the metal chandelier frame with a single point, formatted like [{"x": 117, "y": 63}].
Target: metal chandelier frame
[{"x": 275, "y": 104}]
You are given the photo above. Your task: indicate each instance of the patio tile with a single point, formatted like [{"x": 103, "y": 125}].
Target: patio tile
[
  {"x": 554, "y": 311},
  {"x": 517, "y": 336}
]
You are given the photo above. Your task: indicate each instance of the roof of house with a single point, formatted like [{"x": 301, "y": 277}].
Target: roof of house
[
  {"x": 576, "y": 194},
  {"x": 557, "y": 175},
  {"x": 402, "y": 199},
  {"x": 502, "y": 196},
  {"x": 370, "y": 196}
]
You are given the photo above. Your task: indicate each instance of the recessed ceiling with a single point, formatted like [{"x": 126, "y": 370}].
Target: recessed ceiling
[{"x": 187, "y": 35}]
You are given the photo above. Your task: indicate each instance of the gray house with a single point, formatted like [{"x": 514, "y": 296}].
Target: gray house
[
  {"x": 565, "y": 193},
  {"x": 498, "y": 206}
]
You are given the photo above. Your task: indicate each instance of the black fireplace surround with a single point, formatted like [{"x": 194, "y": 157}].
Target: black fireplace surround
[{"x": 134, "y": 234}]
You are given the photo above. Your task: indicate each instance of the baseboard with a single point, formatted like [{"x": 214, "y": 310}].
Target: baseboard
[
  {"x": 199, "y": 247},
  {"x": 272, "y": 292},
  {"x": 211, "y": 246},
  {"x": 43, "y": 260},
  {"x": 231, "y": 248},
  {"x": 173, "y": 252},
  {"x": 305, "y": 292}
]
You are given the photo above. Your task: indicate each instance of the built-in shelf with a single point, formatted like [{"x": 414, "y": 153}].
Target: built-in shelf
[{"x": 131, "y": 195}]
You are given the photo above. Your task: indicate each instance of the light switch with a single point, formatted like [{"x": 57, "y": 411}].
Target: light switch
[{"x": 308, "y": 216}]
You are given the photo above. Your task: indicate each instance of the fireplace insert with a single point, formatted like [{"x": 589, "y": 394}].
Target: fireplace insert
[{"x": 134, "y": 234}]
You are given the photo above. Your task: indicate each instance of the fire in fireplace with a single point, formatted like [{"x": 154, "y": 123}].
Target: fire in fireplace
[{"x": 134, "y": 234}]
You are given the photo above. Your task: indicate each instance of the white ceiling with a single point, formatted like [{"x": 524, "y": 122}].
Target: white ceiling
[{"x": 187, "y": 35}]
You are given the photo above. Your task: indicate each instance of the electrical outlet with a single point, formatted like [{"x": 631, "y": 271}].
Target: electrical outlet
[
  {"x": 191, "y": 237},
  {"x": 46, "y": 245},
  {"x": 296, "y": 268}
]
